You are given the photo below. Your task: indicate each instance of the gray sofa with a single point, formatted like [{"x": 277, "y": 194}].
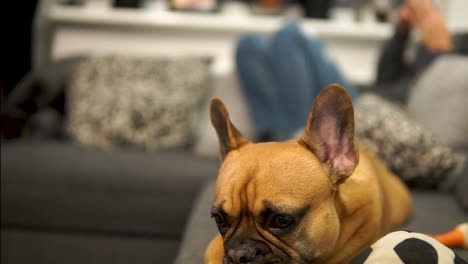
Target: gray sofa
[
  {"x": 65, "y": 204},
  {"x": 62, "y": 203}
]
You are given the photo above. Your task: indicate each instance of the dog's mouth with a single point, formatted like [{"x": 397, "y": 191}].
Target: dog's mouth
[{"x": 268, "y": 258}]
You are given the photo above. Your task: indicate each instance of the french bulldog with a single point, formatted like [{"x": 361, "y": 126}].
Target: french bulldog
[{"x": 319, "y": 199}]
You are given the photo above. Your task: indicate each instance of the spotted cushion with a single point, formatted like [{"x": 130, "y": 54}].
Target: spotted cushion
[
  {"x": 408, "y": 149},
  {"x": 144, "y": 103}
]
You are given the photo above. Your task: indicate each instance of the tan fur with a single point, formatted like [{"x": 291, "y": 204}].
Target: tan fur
[{"x": 343, "y": 219}]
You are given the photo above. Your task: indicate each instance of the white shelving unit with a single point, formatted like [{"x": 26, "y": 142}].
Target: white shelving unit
[{"x": 97, "y": 28}]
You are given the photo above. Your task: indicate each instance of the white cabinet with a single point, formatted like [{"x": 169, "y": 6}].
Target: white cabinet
[{"x": 96, "y": 28}]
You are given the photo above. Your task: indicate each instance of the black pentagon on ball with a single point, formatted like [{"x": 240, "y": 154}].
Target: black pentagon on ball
[
  {"x": 361, "y": 257},
  {"x": 415, "y": 251}
]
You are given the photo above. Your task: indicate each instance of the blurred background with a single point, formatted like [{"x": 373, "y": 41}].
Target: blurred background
[
  {"x": 50, "y": 30},
  {"x": 85, "y": 179}
]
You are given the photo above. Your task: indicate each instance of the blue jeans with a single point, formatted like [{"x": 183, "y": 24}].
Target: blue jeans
[{"x": 281, "y": 77}]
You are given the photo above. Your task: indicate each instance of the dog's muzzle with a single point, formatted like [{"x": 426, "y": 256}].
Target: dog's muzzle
[{"x": 249, "y": 251}]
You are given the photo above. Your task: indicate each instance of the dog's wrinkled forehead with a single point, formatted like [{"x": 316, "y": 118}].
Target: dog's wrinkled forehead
[{"x": 283, "y": 170}]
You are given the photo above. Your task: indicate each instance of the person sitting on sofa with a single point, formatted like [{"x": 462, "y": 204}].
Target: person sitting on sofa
[{"x": 281, "y": 77}]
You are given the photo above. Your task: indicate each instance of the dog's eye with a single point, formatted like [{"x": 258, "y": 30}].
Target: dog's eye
[
  {"x": 219, "y": 220},
  {"x": 281, "y": 221}
]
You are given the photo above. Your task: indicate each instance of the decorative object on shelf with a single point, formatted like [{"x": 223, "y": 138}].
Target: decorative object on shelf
[
  {"x": 316, "y": 8},
  {"x": 375, "y": 10},
  {"x": 73, "y": 2},
  {"x": 195, "y": 5},
  {"x": 267, "y": 7},
  {"x": 383, "y": 10},
  {"x": 128, "y": 3}
]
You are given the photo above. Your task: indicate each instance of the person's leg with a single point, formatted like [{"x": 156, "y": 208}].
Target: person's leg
[
  {"x": 281, "y": 79},
  {"x": 257, "y": 83},
  {"x": 293, "y": 76},
  {"x": 323, "y": 67}
]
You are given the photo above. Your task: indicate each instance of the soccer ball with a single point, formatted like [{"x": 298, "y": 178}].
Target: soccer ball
[{"x": 404, "y": 247}]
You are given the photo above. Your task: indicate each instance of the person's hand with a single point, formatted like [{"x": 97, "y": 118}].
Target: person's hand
[
  {"x": 404, "y": 18},
  {"x": 430, "y": 23}
]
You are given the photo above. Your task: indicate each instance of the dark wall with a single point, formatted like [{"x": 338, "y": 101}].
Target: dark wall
[{"x": 16, "y": 42}]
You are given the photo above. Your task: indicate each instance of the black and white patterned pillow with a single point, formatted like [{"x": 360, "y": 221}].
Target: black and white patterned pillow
[
  {"x": 409, "y": 150},
  {"x": 144, "y": 103}
]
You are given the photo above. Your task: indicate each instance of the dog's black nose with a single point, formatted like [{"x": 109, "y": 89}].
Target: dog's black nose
[{"x": 241, "y": 255}]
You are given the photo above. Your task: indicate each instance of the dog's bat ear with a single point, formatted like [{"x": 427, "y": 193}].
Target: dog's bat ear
[
  {"x": 329, "y": 132},
  {"x": 228, "y": 135}
]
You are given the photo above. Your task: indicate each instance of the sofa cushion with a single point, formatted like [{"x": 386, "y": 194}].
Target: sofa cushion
[
  {"x": 461, "y": 187},
  {"x": 62, "y": 186},
  {"x": 145, "y": 103},
  {"x": 24, "y": 247},
  {"x": 438, "y": 100},
  {"x": 409, "y": 149},
  {"x": 200, "y": 228}
]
